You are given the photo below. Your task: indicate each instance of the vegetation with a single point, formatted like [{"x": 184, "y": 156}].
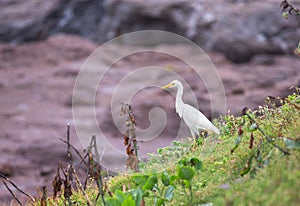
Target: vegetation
[
  {"x": 255, "y": 161},
  {"x": 287, "y": 10}
]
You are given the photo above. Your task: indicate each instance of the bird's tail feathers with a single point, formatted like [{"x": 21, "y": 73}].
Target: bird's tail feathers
[{"x": 214, "y": 129}]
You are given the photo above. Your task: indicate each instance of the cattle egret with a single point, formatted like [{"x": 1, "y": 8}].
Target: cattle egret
[{"x": 193, "y": 118}]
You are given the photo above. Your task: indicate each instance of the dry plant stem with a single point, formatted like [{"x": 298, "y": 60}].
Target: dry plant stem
[
  {"x": 69, "y": 154},
  {"x": 77, "y": 152},
  {"x": 267, "y": 138},
  {"x": 94, "y": 145},
  {"x": 79, "y": 185},
  {"x": 12, "y": 193},
  {"x": 15, "y": 186},
  {"x": 130, "y": 136},
  {"x": 67, "y": 184},
  {"x": 286, "y": 5},
  {"x": 57, "y": 182},
  {"x": 44, "y": 197},
  {"x": 97, "y": 169}
]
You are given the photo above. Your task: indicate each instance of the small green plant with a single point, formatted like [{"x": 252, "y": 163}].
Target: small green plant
[
  {"x": 254, "y": 146},
  {"x": 162, "y": 191},
  {"x": 186, "y": 171},
  {"x": 123, "y": 199},
  {"x": 160, "y": 187}
]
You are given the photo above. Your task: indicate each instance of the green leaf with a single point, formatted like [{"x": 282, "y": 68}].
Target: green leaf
[
  {"x": 112, "y": 202},
  {"x": 196, "y": 163},
  {"x": 186, "y": 173},
  {"x": 140, "y": 179},
  {"x": 160, "y": 202},
  {"x": 173, "y": 178},
  {"x": 169, "y": 193},
  {"x": 245, "y": 170},
  {"x": 128, "y": 202},
  {"x": 146, "y": 194},
  {"x": 247, "y": 167},
  {"x": 138, "y": 196},
  {"x": 298, "y": 47},
  {"x": 120, "y": 196},
  {"x": 160, "y": 150},
  {"x": 183, "y": 162},
  {"x": 186, "y": 183},
  {"x": 291, "y": 144},
  {"x": 151, "y": 181},
  {"x": 285, "y": 15},
  {"x": 165, "y": 178}
]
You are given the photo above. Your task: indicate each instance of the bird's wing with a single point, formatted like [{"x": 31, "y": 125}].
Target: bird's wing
[{"x": 194, "y": 117}]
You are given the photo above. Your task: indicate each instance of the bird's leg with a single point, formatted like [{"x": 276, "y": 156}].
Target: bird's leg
[
  {"x": 204, "y": 133},
  {"x": 194, "y": 145}
]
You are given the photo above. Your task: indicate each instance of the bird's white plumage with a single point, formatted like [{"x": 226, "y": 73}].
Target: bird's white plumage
[{"x": 194, "y": 119}]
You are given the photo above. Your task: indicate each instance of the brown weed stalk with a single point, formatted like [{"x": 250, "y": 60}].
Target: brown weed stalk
[
  {"x": 286, "y": 6},
  {"x": 94, "y": 168},
  {"x": 130, "y": 137},
  {"x": 15, "y": 186}
]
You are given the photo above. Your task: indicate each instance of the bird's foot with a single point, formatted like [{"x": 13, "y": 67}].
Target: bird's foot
[{"x": 195, "y": 144}]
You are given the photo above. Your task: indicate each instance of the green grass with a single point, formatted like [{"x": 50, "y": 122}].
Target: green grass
[{"x": 269, "y": 176}]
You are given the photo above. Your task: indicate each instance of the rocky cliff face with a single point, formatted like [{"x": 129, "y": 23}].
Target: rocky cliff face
[{"x": 238, "y": 28}]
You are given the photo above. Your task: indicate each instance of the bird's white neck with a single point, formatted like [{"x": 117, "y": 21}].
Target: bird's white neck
[{"x": 179, "y": 102}]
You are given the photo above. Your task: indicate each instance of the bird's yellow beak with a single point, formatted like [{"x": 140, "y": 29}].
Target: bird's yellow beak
[{"x": 167, "y": 86}]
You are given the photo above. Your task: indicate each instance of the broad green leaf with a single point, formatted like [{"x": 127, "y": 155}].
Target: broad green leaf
[
  {"x": 138, "y": 196},
  {"x": 140, "y": 179},
  {"x": 165, "y": 178},
  {"x": 160, "y": 150},
  {"x": 196, "y": 163},
  {"x": 120, "y": 196},
  {"x": 183, "y": 162},
  {"x": 186, "y": 183},
  {"x": 173, "y": 178},
  {"x": 146, "y": 194},
  {"x": 112, "y": 202},
  {"x": 186, "y": 173},
  {"x": 128, "y": 202},
  {"x": 160, "y": 202},
  {"x": 151, "y": 181},
  {"x": 169, "y": 193}
]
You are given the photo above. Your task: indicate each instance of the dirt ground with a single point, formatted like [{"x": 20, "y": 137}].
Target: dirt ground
[{"x": 36, "y": 86}]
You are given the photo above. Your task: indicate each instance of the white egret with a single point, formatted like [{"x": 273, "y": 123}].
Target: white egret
[{"x": 194, "y": 119}]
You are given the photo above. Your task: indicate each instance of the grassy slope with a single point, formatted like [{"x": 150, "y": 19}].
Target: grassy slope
[{"x": 273, "y": 178}]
